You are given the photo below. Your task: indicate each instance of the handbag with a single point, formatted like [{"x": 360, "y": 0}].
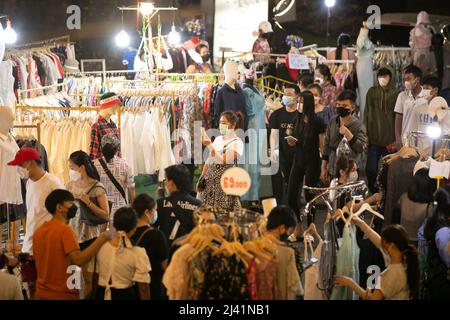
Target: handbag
[
  {"x": 113, "y": 179},
  {"x": 87, "y": 216}
]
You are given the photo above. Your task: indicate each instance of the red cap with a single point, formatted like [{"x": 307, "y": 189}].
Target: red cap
[{"x": 26, "y": 154}]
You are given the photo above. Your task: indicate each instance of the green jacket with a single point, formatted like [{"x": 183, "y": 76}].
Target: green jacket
[{"x": 379, "y": 116}]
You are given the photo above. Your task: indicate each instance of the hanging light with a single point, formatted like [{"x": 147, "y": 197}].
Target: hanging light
[
  {"x": 146, "y": 8},
  {"x": 9, "y": 34},
  {"x": 434, "y": 130},
  {"x": 122, "y": 39},
  {"x": 330, "y": 3},
  {"x": 174, "y": 37}
]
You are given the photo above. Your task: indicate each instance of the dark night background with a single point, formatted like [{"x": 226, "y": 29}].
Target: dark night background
[{"x": 36, "y": 20}]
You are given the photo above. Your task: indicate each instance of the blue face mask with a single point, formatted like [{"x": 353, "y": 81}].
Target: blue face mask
[
  {"x": 287, "y": 101},
  {"x": 155, "y": 218}
]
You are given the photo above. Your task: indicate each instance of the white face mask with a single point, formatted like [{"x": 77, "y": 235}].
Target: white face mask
[
  {"x": 409, "y": 85},
  {"x": 383, "y": 82},
  {"x": 74, "y": 175},
  {"x": 353, "y": 176},
  {"x": 319, "y": 80},
  {"x": 427, "y": 94},
  {"x": 223, "y": 128},
  {"x": 287, "y": 101},
  {"x": 23, "y": 173},
  {"x": 154, "y": 219}
]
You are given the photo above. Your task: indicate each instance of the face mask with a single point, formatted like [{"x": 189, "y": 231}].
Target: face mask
[
  {"x": 343, "y": 112},
  {"x": 316, "y": 100},
  {"x": 206, "y": 57},
  {"x": 318, "y": 80},
  {"x": 353, "y": 177},
  {"x": 155, "y": 218},
  {"x": 23, "y": 173},
  {"x": 223, "y": 128},
  {"x": 72, "y": 212},
  {"x": 427, "y": 94},
  {"x": 287, "y": 101},
  {"x": 74, "y": 175},
  {"x": 409, "y": 85},
  {"x": 284, "y": 237},
  {"x": 383, "y": 82}
]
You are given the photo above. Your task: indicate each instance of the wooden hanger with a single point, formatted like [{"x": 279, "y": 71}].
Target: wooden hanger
[{"x": 312, "y": 228}]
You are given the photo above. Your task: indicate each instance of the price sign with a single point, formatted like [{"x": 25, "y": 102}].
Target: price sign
[
  {"x": 298, "y": 61},
  {"x": 235, "y": 182}
]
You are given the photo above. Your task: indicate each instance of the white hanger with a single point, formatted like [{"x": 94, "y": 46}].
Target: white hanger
[{"x": 367, "y": 207}]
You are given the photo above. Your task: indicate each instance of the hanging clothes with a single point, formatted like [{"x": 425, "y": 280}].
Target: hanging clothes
[
  {"x": 364, "y": 67},
  {"x": 347, "y": 261},
  {"x": 99, "y": 129},
  {"x": 7, "y": 84},
  {"x": 312, "y": 292},
  {"x": 255, "y": 104},
  {"x": 288, "y": 280}
]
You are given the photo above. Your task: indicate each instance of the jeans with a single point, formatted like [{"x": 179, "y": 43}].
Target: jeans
[
  {"x": 311, "y": 174},
  {"x": 374, "y": 153},
  {"x": 280, "y": 181}
]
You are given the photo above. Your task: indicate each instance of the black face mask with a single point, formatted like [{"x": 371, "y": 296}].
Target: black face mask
[
  {"x": 206, "y": 57},
  {"x": 72, "y": 212},
  {"x": 284, "y": 237},
  {"x": 343, "y": 112}
]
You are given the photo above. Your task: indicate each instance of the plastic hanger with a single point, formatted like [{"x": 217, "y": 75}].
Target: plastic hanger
[{"x": 367, "y": 207}]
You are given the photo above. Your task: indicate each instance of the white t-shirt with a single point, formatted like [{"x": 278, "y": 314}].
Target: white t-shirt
[
  {"x": 37, "y": 214},
  {"x": 130, "y": 265},
  {"x": 235, "y": 144},
  {"x": 423, "y": 120},
  {"x": 394, "y": 282},
  {"x": 405, "y": 106}
]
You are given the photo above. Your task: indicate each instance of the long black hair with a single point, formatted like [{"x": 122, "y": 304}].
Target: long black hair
[
  {"x": 81, "y": 158},
  {"x": 398, "y": 236},
  {"x": 301, "y": 128},
  {"x": 441, "y": 214},
  {"x": 343, "y": 41},
  {"x": 325, "y": 71}
]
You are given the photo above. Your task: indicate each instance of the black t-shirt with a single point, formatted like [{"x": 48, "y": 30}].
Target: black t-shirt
[
  {"x": 155, "y": 244},
  {"x": 308, "y": 145},
  {"x": 284, "y": 121},
  {"x": 179, "y": 206}
]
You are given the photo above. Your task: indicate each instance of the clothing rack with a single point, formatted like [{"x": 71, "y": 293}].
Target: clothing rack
[
  {"x": 63, "y": 86},
  {"x": 54, "y": 41}
]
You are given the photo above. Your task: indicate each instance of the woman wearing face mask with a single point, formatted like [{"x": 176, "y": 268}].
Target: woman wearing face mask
[
  {"x": 325, "y": 113},
  {"x": 324, "y": 78},
  {"x": 205, "y": 66},
  {"x": 152, "y": 240},
  {"x": 400, "y": 280},
  {"x": 85, "y": 186},
  {"x": 308, "y": 140},
  {"x": 224, "y": 154}
]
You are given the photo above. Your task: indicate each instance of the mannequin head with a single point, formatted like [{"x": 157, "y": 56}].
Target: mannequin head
[
  {"x": 6, "y": 120},
  {"x": 230, "y": 68},
  {"x": 109, "y": 105}
]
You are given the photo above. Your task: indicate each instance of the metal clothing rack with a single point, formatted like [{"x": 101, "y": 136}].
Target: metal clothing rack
[{"x": 20, "y": 92}]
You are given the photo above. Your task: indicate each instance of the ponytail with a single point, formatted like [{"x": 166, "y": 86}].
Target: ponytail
[
  {"x": 412, "y": 271},
  {"x": 397, "y": 235}
]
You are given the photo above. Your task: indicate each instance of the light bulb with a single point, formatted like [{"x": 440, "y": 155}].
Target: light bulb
[
  {"x": 330, "y": 3},
  {"x": 9, "y": 34},
  {"x": 122, "y": 39},
  {"x": 174, "y": 37},
  {"x": 434, "y": 131},
  {"x": 146, "y": 8}
]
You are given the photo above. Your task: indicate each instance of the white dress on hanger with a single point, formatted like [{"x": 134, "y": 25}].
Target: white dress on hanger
[
  {"x": 364, "y": 66},
  {"x": 7, "y": 83},
  {"x": 10, "y": 189}
]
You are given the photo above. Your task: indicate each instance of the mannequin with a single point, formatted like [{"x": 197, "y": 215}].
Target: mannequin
[
  {"x": 420, "y": 42},
  {"x": 364, "y": 65},
  {"x": 230, "y": 97},
  {"x": 10, "y": 188},
  {"x": 109, "y": 105},
  {"x": 255, "y": 107}
]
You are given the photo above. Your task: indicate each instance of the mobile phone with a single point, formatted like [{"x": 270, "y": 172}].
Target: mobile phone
[{"x": 310, "y": 263}]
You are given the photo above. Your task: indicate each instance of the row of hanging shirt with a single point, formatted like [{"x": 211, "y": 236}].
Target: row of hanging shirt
[
  {"x": 145, "y": 135},
  {"x": 86, "y": 90}
]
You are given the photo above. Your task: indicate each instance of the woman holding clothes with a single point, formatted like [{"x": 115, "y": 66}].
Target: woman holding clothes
[{"x": 308, "y": 139}]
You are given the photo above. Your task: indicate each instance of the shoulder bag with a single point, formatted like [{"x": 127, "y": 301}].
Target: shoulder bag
[
  {"x": 113, "y": 179},
  {"x": 87, "y": 215}
]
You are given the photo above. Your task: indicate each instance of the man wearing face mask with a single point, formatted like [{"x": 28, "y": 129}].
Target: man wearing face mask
[
  {"x": 407, "y": 101},
  {"x": 282, "y": 122},
  {"x": 344, "y": 124},
  {"x": 379, "y": 120},
  {"x": 176, "y": 212},
  {"x": 56, "y": 249},
  {"x": 39, "y": 185}
]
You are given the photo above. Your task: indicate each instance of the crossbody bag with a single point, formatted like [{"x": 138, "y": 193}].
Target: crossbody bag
[{"x": 113, "y": 179}]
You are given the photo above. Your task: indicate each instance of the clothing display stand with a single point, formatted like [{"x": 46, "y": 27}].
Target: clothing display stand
[{"x": 20, "y": 92}]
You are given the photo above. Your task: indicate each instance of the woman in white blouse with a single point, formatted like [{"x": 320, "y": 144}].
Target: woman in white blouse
[
  {"x": 123, "y": 270},
  {"x": 225, "y": 152}
]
